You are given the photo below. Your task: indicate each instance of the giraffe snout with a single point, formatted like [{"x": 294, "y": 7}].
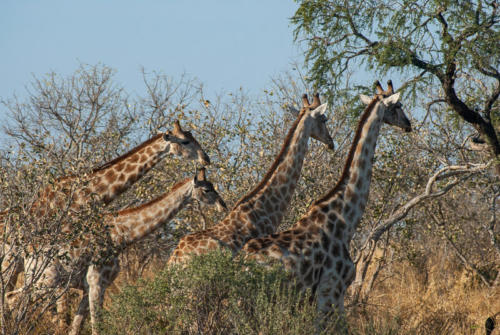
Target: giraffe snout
[
  {"x": 331, "y": 146},
  {"x": 221, "y": 205},
  {"x": 204, "y": 159}
]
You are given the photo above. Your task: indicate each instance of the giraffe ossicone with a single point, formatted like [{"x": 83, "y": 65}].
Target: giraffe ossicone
[{"x": 316, "y": 249}]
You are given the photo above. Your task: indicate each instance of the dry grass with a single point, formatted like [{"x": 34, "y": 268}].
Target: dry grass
[
  {"x": 439, "y": 297},
  {"x": 436, "y": 297}
]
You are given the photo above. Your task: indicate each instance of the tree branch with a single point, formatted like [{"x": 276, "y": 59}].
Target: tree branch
[
  {"x": 355, "y": 30},
  {"x": 402, "y": 212},
  {"x": 491, "y": 100},
  {"x": 474, "y": 118}
]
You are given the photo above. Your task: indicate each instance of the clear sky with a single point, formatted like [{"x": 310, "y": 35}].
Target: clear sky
[{"x": 225, "y": 43}]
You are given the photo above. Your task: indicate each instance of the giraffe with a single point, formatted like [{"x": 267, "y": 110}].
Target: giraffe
[
  {"x": 110, "y": 180},
  {"x": 105, "y": 184},
  {"x": 260, "y": 211},
  {"x": 124, "y": 228},
  {"x": 316, "y": 249}
]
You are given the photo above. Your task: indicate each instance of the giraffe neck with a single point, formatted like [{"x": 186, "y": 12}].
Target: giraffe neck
[
  {"x": 115, "y": 177},
  {"x": 133, "y": 224},
  {"x": 358, "y": 182},
  {"x": 106, "y": 182},
  {"x": 266, "y": 205},
  {"x": 348, "y": 197}
]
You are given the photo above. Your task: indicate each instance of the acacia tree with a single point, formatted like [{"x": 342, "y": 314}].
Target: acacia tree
[{"x": 450, "y": 44}]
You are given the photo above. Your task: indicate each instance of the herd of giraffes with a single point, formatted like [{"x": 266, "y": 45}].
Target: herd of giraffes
[{"x": 315, "y": 250}]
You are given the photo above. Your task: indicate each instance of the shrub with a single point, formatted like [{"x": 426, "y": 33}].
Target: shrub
[{"x": 214, "y": 294}]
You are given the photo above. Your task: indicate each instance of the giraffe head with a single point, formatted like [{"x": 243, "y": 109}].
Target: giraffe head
[
  {"x": 394, "y": 114},
  {"x": 205, "y": 192},
  {"x": 182, "y": 143},
  {"x": 316, "y": 111}
]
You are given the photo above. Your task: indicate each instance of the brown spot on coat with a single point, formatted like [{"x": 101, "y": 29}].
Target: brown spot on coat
[
  {"x": 338, "y": 232},
  {"x": 282, "y": 178},
  {"x": 328, "y": 262},
  {"x": 324, "y": 208},
  {"x": 130, "y": 168},
  {"x": 318, "y": 258},
  {"x": 335, "y": 250},
  {"x": 110, "y": 176},
  {"x": 134, "y": 158},
  {"x": 344, "y": 249},
  {"x": 338, "y": 266},
  {"x": 120, "y": 167}
]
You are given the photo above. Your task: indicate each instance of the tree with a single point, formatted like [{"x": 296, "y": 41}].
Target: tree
[{"x": 454, "y": 44}]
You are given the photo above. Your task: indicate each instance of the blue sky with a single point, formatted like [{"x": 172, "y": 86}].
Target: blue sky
[{"x": 225, "y": 44}]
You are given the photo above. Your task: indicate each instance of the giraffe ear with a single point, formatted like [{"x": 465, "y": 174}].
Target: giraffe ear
[
  {"x": 292, "y": 110},
  {"x": 320, "y": 110},
  {"x": 392, "y": 99},
  {"x": 365, "y": 99}
]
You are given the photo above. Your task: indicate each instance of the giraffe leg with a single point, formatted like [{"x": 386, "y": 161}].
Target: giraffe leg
[
  {"x": 325, "y": 298},
  {"x": 330, "y": 300},
  {"x": 62, "y": 312},
  {"x": 330, "y": 291},
  {"x": 99, "y": 279},
  {"x": 81, "y": 314},
  {"x": 18, "y": 268},
  {"x": 92, "y": 299},
  {"x": 94, "y": 279},
  {"x": 12, "y": 266}
]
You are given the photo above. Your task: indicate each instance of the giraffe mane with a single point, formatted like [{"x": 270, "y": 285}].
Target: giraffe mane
[
  {"x": 128, "y": 154},
  {"x": 350, "y": 156},
  {"x": 155, "y": 200},
  {"x": 276, "y": 162}
]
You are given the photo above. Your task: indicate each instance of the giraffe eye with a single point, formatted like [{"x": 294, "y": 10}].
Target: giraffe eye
[{"x": 185, "y": 142}]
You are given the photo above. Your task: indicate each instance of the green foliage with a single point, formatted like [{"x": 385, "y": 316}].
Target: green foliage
[
  {"x": 408, "y": 35},
  {"x": 214, "y": 294}
]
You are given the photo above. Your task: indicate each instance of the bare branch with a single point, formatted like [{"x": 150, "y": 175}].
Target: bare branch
[
  {"x": 429, "y": 193},
  {"x": 466, "y": 262}
]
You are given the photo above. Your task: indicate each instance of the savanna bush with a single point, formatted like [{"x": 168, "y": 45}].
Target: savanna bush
[{"x": 215, "y": 294}]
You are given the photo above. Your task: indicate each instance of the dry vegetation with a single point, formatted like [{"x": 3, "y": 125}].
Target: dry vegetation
[{"x": 427, "y": 251}]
